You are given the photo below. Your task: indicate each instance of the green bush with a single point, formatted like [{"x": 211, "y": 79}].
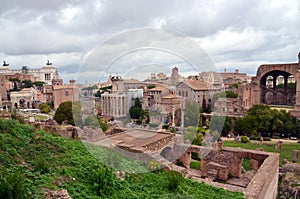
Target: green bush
[
  {"x": 153, "y": 125},
  {"x": 174, "y": 180},
  {"x": 172, "y": 130},
  {"x": 70, "y": 112},
  {"x": 103, "y": 125},
  {"x": 44, "y": 108},
  {"x": 12, "y": 185},
  {"x": 41, "y": 165},
  {"x": 267, "y": 139},
  {"x": 104, "y": 181},
  {"x": 165, "y": 126},
  {"x": 244, "y": 139}
]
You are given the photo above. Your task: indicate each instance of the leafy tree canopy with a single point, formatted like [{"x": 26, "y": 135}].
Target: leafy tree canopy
[
  {"x": 70, "y": 112},
  {"x": 262, "y": 119},
  {"x": 44, "y": 108}
]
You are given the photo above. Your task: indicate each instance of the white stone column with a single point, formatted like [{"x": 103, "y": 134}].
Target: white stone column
[{"x": 173, "y": 116}]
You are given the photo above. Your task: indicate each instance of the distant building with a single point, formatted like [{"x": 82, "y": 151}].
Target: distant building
[
  {"x": 175, "y": 75},
  {"x": 199, "y": 91},
  {"x": 13, "y": 82},
  {"x": 229, "y": 107},
  {"x": 44, "y": 74},
  {"x": 67, "y": 92},
  {"x": 25, "y": 98},
  {"x": 118, "y": 102}
]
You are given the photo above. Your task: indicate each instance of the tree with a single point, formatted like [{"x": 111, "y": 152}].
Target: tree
[
  {"x": 235, "y": 85},
  {"x": 44, "y": 108},
  {"x": 70, "y": 112},
  {"x": 39, "y": 83},
  {"x": 263, "y": 120},
  {"x": 151, "y": 86},
  {"x": 98, "y": 94},
  {"x": 135, "y": 111},
  {"x": 231, "y": 94},
  {"x": 27, "y": 84}
]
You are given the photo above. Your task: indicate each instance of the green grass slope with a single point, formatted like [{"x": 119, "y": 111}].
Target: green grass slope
[{"x": 33, "y": 161}]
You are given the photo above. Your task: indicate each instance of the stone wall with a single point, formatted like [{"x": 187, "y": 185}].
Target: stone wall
[
  {"x": 154, "y": 146},
  {"x": 262, "y": 186}
]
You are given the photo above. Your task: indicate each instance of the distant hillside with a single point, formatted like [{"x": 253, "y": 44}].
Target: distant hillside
[{"x": 34, "y": 162}]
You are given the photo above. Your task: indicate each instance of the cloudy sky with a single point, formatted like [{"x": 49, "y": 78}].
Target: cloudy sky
[{"x": 74, "y": 33}]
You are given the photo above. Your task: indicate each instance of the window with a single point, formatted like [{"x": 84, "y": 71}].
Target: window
[{"x": 66, "y": 93}]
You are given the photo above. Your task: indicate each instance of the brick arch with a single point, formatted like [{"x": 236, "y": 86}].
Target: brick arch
[
  {"x": 266, "y": 68},
  {"x": 279, "y": 94}
]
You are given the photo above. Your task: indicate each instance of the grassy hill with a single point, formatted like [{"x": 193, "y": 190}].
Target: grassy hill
[{"x": 33, "y": 161}]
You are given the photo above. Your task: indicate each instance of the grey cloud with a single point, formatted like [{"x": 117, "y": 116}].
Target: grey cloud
[{"x": 248, "y": 32}]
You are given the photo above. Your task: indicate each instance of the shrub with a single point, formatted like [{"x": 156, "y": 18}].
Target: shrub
[
  {"x": 41, "y": 165},
  {"x": 172, "y": 130},
  {"x": 154, "y": 165},
  {"x": 103, "y": 125},
  {"x": 12, "y": 185},
  {"x": 174, "y": 180},
  {"x": 104, "y": 181},
  {"x": 244, "y": 139},
  {"x": 165, "y": 126},
  {"x": 44, "y": 108},
  {"x": 153, "y": 125},
  {"x": 70, "y": 112}
]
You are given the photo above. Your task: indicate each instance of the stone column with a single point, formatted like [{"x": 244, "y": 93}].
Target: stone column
[
  {"x": 279, "y": 145},
  {"x": 236, "y": 168},
  {"x": 220, "y": 145},
  {"x": 254, "y": 164},
  {"x": 285, "y": 89},
  {"x": 274, "y": 89},
  {"x": 203, "y": 168},
  {"x": 186, "y": 159},
  {"x": 182, "y": 118},
  {"x": 295, "y": 155},
  {"x": 173, "y": 116}
]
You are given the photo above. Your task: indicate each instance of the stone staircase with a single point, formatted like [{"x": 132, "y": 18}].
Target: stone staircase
[
  {"x": 212, "y": 174},
  {"x": 156, "y": 156}
]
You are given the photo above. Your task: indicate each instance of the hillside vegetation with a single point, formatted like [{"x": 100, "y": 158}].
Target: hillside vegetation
[{"x": 33, "y": 162}]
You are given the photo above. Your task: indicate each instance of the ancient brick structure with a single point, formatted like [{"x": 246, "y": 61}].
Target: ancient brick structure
[
  {"x": 216, "y": 164},
  {"x": 271, "y": 86}
]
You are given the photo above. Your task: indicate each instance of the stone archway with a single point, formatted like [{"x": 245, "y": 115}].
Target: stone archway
[
  {"x": 167, "y": 153},
  {"x": 274, "y": 87}
]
